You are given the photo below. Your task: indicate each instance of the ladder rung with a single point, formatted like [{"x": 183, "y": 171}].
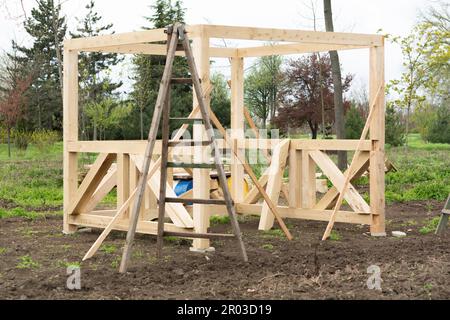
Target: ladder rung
[
  {"x": 191, "y": 165},
  {"x": 198, "y": 235},
  {"x": 217, "y": 202},
  {"x": 184, "y": 143},
  {"x": 188, "y": 120}
]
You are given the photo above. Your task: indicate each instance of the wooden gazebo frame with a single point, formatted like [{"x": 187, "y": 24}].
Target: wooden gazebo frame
[{"x": 118, "y": 162}]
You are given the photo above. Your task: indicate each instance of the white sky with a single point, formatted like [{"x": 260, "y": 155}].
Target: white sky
[{"x": 361, "y": 16}]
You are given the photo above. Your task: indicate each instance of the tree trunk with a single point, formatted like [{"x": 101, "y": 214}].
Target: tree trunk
[
  {"x": 337, "y": 83},
  {"x": 8, "y": 129},
  {"x": 142, "y": 123}
]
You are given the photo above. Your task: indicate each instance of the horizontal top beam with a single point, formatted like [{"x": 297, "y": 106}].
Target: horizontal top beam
[
  {"x": 116, "y": 41},
  {"x": 291, "y": 35}
]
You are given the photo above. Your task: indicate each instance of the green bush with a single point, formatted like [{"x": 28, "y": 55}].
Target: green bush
[
  {"x": 354, "y": 124},
  {"x": 395, "y": 129},
  {"x": 439, "y": 130},
  {"x": 21, "y": 140},
  {"x": 43, "y": 139}
]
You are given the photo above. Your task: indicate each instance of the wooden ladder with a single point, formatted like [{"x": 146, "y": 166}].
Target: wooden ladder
[{"x": 175, "y": 34}]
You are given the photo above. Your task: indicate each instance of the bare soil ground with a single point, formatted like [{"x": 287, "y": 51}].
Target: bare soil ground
[{"x": 415, "y": 267}]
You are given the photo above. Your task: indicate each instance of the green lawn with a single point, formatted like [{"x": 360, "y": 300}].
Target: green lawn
[{"x": 31, "y": 181}]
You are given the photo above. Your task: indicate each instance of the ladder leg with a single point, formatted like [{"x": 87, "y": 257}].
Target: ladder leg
[
  {"x": 163, "y": 180},
  {"x": 210, "y": 133}
]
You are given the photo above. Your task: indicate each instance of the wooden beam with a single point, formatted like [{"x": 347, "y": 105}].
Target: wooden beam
[
  {"x": 91, "y": 182},
  {"x": 329, "y": 199},
  {"x": 290, "y": 35},
  {"x": 329, "y": 145},
  {"x": 70, "y": 133},
  {"x": 105, "y": 187},
  {"x": 99, "y": 42},
  {"x": 306, "y": 214},
  {"x": 237, "y": 126},
  {"x": 329, "y": 168},
  {"x": 123, "y": 180},
  {"x": 292, "y": 48},
  {"x": 377, "y": 135},
  {"x": 308, "y": 180},
  {"x": 274, "y": 183},
  {"x": 295, "y": 178}
]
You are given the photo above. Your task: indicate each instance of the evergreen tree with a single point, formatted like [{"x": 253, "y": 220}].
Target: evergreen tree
[
  {"x": 95, "y": 84},
  {"x": 354, "y": 123},
  {"x": 47, "y": 30},
  {"x": 148, "y": 71},
  {"x": 395, "y": 129}
]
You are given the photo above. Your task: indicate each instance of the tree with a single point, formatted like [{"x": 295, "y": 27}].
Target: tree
[
  {"x": 47, "y": 30},
  {"x": 354, "y": 123},
  {"x": 262, "y": 86},
  {"x": 106, "y": 114},
  {"x": 94, "y": 67},
  {"x": 220, "y": 99},
  {"x": 303, "y": 93},
  {"x": 395, "y": 129},
  {"x": 13, "y": 85},
  {"x": 338, "y": 89},
  {"x": 439, "y": 130},
  {"x": 148, "y": 71}
]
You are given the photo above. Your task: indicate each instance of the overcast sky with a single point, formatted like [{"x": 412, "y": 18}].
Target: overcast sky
[{"x": 361, "y": 16}]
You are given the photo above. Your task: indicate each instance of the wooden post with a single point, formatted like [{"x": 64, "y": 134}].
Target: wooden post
[
  {"x": 377, "y": 136},
  {"x": 200, "y": 48},
  {"x": 295, "y": 178},
  {"x": 70, "y": 128},
  {"x": 308, "y": 176},
  {"x": 237, "y": 126},
  {"x": 123, "y": 180}
]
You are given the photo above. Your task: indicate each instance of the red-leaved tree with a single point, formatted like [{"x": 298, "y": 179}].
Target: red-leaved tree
[
  {"x": 307, "y": 90},
  {"x": 11, "y": 105}
]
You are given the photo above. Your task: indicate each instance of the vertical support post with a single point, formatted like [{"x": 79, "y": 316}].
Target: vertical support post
[
  {"x": 133, "y": 184},
  {"x": 200, "y": 50},
  {"x": 123, "y": 180},
  {"x": 377, "y": 136},
  {"x": 237, "y": 126},
  {"x": 70, "y": 128},
  {"x": 308, "y": 180},
  {"x": 295, "y": 177}
]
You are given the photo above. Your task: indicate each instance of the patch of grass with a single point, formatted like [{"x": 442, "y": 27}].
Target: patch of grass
[
  {"x": 3, "y": 250},
  {"x": 26, "y": 262},
  {"x": 430, "y": 226},
  {"x": 409, "y": 223},
  {"x": 138, "y": 254},
  {"x": 335, "y": 236},
  {"x": 115, "y": 263},
  {"x": 27, "y": 232},
  {"x": 108, "y": 248},
  {"x": 267, "y": 246},
  {"x": 216, "y": 220},
  {"x": 274, "y": 233},
  {"x": 66, "y": 264}
]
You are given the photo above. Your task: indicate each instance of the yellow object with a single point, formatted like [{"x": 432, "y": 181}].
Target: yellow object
[{"x": 246, "y": 187}]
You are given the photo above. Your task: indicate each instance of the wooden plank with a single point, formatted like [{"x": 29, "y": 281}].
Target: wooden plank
[
  {"x": 193, "y": 200},
  {"x": 123, "y": 180},
  {"x": 116, "y": 146},
  {"x": 279, "y": 157},
  {"x": 292, "y": 48},
  {"x": 330, "y": 145},
  {"x": 290, "y": 35},
  {"x": 237, "y": 126},
  {"x": 330, "y": 197},
  {"x": 306, "y": 214},
  {"x": 91, "y": 182},
  {"x": 308, "y": 180},
  {"x": 253, "y": 195},
  {"x": 128, "y": 38},
  {"x": 377, "y": 135},
  {"x": 329, "y": 168},
  {"x": 105, "y": 187},
  {"x": 295, "y": 178},
  {"x": 70, "y": 133},
  {"x": 199, "y": 235}
]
